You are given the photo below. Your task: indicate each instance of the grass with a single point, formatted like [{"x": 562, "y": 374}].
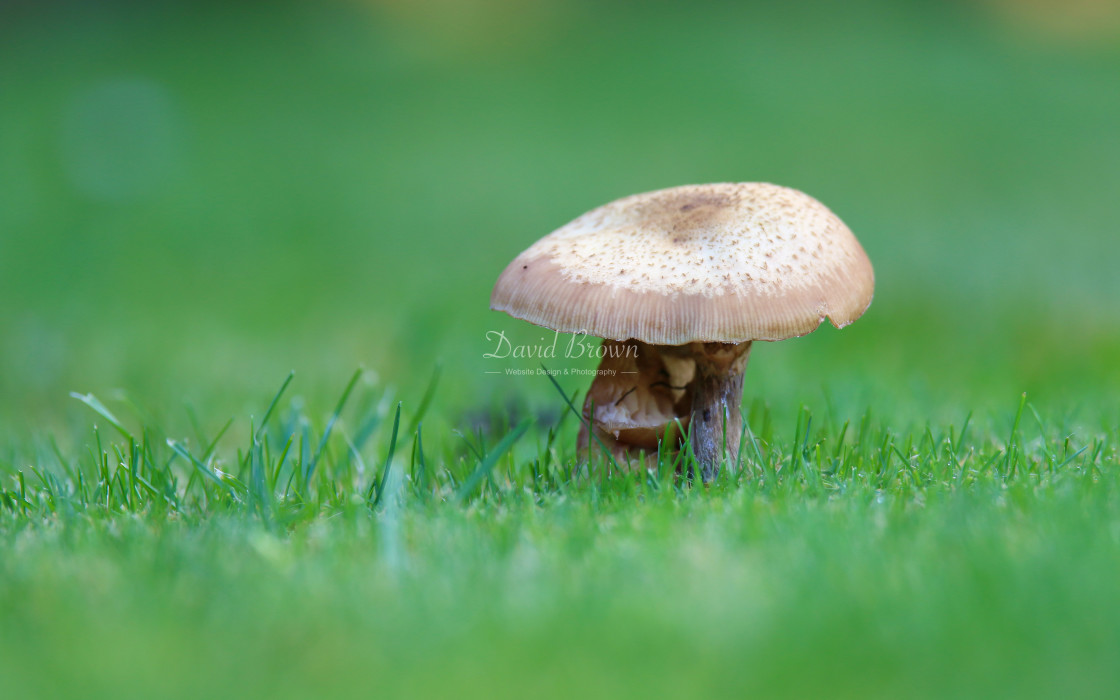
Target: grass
[
  {"x": 843, "y": 558},
  {"x": 196, "y": 198}
]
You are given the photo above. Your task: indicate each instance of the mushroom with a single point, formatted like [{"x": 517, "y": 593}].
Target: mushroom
[{"x": 679, "y": 282}]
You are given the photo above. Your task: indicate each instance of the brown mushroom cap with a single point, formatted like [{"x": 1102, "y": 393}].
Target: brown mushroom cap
[{"x": 716, "y": 263}]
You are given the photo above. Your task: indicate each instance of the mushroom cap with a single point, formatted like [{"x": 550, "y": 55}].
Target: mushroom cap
[{"x": 726, "y": 262}]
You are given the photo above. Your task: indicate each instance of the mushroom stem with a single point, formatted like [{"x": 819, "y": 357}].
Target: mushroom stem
[
  {"x": 717, "y": 394},
  {"x": 641, "y": 391}
]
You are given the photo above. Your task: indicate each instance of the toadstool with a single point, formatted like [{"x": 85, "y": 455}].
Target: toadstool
[{"x": 679, "y": 282}]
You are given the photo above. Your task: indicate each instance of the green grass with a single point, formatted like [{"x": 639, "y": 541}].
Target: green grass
[
  {"x": 847, "y": 558},
  {"x": 196, "y": 198}
]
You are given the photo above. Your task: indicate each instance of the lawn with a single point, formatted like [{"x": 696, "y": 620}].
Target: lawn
[{"x": 250, "y": 444}]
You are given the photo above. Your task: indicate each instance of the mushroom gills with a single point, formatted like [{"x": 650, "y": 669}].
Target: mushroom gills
[
  {"x": 637, "y": 399},
  {"x": 642, "y": 393}
]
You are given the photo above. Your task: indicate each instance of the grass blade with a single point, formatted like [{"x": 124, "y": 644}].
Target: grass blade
[
  {"x": 491, "y": 459},
  {"x": 272, "y": 406},
  {"x": 579, "y": 416},
  {"x": 379, "y": 485},
  {"x": 204, "y": 470},
  {"x": 99, "y": 408},
  {"x": 425, "y": 400},
  {"x": 330, "y": 426}
]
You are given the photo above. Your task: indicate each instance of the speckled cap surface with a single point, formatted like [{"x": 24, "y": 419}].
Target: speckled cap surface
[{"x": 725, "y": 262}]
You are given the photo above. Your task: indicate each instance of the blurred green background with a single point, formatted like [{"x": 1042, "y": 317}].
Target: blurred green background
[{"x": 197, "y": 197}]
